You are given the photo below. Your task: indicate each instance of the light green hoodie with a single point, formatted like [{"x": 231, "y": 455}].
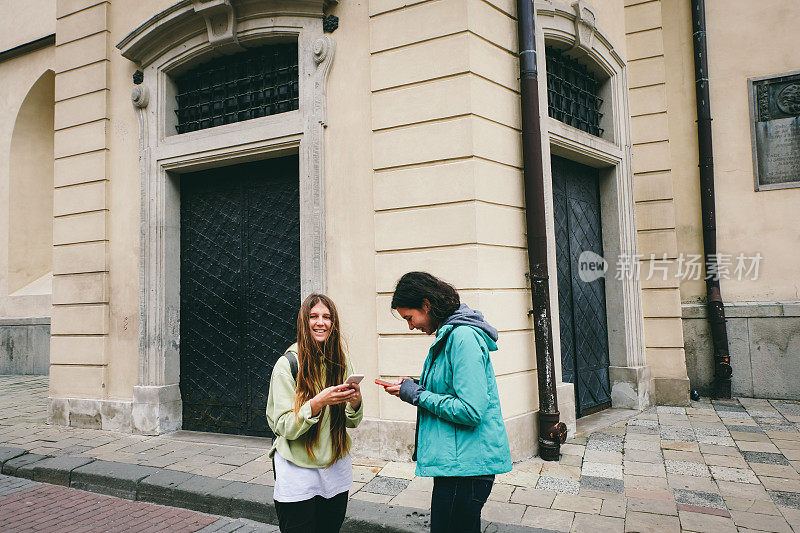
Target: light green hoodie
[{"x": 290, "y": 430}]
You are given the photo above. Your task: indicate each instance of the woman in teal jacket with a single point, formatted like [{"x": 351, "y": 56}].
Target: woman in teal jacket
[{"x": 461, "y": 440}]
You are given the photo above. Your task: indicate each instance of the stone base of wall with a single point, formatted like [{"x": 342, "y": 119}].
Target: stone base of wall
[
  {"x": 25, "y": 346},
  {"x": 671, "y": 391},
  {"x": 523, "y": 436},
  {"x": 565, "y": 392},
  {"x": 631, "y": 387},
  {"x": 764, "y": 344},
  {"x": 393, "y": 440},
  {"x": 111, "y": 415},
  {"x": 157, "y": 409},
  {"x": 153, "y": 411}
]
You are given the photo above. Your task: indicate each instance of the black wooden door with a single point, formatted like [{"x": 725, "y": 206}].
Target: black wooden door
[
  {"x": 240, "y": 290},
  {"x": 582, "y": 304}
]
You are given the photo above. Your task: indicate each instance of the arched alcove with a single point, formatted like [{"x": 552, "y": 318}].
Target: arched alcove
[{"x": 30, "y": 228}]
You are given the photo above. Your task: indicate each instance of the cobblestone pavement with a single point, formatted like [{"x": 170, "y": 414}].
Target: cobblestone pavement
[
  {"x": 23, "y": 399},
  {"x": 727, "y": 465},
  {"x": 29, "y": 506}
]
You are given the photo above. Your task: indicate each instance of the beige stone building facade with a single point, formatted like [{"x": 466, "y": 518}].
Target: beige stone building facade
[{"x": 397, "y": 136}]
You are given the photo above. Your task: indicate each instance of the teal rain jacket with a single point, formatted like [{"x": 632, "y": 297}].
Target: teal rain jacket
[{"x": 460, "y": 425}]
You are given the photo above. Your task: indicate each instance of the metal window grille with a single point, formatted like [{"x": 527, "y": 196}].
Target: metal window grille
[
  {"x": 572, "y": 93},
  {"x": 251, "y": 84}
]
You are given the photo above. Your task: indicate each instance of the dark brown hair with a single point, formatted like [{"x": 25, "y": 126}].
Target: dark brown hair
[
  {"x": 414, "y": 287},
  {"x": 314, "y": 359}
]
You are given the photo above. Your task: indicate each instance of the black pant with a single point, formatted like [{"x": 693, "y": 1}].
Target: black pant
[
  {"x": 456, "y": 503},
  {"x": 317, "y": 515}
]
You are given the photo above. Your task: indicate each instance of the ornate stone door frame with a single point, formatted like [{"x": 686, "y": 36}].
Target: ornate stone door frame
[
  {"x": 575, "y": 26},
  {"x": 190, "y": 32}
]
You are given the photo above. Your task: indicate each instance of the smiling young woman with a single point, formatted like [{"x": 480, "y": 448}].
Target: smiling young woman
[
  {"x": 310, "y": 414},
  {"x": 461, "y": 438}
]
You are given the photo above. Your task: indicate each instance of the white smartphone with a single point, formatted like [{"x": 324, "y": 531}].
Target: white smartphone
[{"x": 355, "y": 378}]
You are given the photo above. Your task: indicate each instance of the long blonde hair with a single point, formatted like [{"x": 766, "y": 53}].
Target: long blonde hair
[{"x": 312, "y": 355}]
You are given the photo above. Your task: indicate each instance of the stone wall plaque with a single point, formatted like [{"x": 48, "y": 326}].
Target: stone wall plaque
[{"x": 775, "y": 130}]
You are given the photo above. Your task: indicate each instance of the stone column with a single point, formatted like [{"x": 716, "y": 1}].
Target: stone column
[{"x": 157, "y": 406}]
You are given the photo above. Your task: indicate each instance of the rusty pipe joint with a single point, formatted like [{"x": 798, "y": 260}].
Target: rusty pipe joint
[
  {"x": 723, "y": 368},
  {"x": 722, "y": 375},
  {"x": 552, "y": 434}
]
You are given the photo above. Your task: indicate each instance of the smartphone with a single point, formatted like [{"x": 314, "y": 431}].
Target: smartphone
[
  {"x": 355, "y": 378},
  {"x": 385, "y": 383}
]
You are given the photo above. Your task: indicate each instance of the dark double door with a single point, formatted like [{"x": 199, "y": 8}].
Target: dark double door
[
  {"x": 582, "y": 304},
  {"x": 240, "y": 290}
]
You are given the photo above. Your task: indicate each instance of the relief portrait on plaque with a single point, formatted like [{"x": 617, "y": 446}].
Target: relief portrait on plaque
[{"x": 775, "y": 130}]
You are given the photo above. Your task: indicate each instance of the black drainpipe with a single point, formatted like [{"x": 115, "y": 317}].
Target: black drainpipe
[
  {"x": 716, "y": 309},
  {"x": 551, "y": 432}
]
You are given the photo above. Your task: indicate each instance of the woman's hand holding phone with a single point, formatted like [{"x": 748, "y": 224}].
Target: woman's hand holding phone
[
  {"x": 355, "y": 399},
  {"x": 392, "y": 388},
  {"x": 332, "y": 396}
]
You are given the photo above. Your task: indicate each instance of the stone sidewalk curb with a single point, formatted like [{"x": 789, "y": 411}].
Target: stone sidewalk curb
[{"x": 234, "y": 499}]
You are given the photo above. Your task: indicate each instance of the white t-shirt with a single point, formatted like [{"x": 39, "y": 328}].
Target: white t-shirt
[{"x": 294, "y": 483}]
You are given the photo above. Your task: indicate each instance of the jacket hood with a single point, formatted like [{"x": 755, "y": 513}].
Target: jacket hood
[{"x": 465, "y": 316}]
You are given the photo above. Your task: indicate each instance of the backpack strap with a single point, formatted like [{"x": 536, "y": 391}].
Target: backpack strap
[{"x": 292, "y": 357}]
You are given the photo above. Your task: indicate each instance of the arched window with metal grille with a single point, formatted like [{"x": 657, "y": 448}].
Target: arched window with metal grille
[
  {"x": 572, "y": 92},
  {"x": 251, "y": 84}
]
